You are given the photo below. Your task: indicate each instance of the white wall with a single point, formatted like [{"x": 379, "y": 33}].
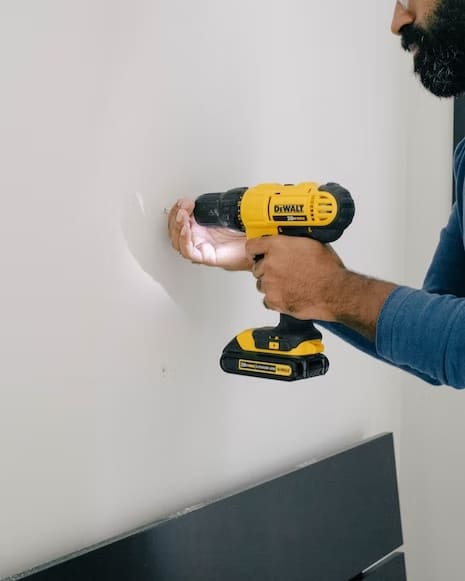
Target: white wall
[{"x": 113, "y": 409}]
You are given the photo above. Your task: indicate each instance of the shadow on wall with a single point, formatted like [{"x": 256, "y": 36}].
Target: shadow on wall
[{"x": 145, "y": 228}]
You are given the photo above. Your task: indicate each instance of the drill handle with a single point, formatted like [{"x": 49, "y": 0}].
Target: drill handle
[
  {"x": 288, "y": 334},
  {"x": 303, "y": 329}
]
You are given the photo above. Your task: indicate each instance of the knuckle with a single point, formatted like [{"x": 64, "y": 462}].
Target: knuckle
[
  {"x": 256, "y": 271},
  {"x": 249, "y": 248},
  {"x": 269, "y": 304},
  {"x": 273, "y": 300}
]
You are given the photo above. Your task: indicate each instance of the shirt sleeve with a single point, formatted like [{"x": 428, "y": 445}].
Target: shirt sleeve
[
  {"x": 369, "y": 347},
  {"x": 425, "y": 332}
]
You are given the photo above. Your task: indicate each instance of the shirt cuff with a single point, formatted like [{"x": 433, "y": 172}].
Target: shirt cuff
[{"x": 387, "y": 320}]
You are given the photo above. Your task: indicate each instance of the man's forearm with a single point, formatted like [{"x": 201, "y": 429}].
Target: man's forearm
[{"x": 359, "y": 302}]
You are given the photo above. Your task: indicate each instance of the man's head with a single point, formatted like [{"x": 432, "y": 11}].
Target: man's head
[{"x": 434, "y": 31}]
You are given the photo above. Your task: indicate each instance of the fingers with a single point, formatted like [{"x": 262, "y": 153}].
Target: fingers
[
  {"x": 178, "y": 219},
  {"x": 262, "y": 252},
  {"x": 174, "y": 227},
  {"x": 257, "y": 246},
  {"x": 258, "y": 268},
  {"x": 179, "y": 227},
  {"x": 185, "y": 245},
  {"x": 256, "y": 250}
]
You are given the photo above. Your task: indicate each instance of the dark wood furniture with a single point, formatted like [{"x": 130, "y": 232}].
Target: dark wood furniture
[{"x": 336, "y": 519}]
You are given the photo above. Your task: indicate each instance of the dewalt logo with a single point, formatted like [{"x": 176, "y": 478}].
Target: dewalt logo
[{"x": 289, "y": 208}]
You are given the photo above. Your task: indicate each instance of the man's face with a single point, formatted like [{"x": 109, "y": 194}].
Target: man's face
[{"x": 434, "y": 32}]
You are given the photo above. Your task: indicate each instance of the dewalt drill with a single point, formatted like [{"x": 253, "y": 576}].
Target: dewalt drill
[{"x": 293, "y": 349}]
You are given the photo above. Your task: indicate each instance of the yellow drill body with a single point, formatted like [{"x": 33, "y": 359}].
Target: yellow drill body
[
  {"x": 293, "y": 349},
  {"x": 267, "y": 208}
]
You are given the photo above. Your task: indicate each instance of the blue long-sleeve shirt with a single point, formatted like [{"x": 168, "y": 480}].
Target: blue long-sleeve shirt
[{"x": 423, "y": 331}]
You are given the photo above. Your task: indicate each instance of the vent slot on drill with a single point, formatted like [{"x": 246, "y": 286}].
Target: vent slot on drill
[{"x": 323, "y": 209}]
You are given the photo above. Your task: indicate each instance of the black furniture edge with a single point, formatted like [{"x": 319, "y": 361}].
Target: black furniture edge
[
  {"x": 391, "y": 568},
  {"x": 327, "y": 520}
]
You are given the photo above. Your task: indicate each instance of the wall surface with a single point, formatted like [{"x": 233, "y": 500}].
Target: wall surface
[{"x": 114, "y": 411}]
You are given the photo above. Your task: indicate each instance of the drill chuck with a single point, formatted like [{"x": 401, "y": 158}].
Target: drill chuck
[{"x": 221, "y": 209}]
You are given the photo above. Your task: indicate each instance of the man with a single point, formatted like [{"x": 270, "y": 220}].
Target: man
[{"x": 421, "y": 331}]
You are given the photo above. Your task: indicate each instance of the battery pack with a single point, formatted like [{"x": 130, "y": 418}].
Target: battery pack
[{"x": 235, "y": 359}]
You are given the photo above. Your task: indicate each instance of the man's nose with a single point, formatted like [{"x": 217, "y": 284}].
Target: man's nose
[{"x": 401, "y": 17}]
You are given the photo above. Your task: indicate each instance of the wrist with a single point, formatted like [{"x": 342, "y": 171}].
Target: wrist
[
  {"x": 244, "y": 264},
  {"x": 359, "y": 302}
]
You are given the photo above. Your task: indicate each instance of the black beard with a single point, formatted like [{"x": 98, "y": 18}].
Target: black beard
[{"x": 440, "y": 56}]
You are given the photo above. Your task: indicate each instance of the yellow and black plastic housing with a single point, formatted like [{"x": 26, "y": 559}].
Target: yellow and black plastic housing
[
  {"x": 290, "y": 351},
  {"x": 305, "y": 209},
  {"x": 293, "y": 349}
]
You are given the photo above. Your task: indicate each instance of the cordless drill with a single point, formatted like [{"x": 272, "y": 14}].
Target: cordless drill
[{"x": 293, "y": 349}]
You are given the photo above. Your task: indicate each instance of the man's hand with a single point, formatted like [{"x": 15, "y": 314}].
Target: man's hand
[
  {"x": 307, "y": 280},
  {"x": 296, "y": 275},
  {"x": 210, "y": 246}
]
